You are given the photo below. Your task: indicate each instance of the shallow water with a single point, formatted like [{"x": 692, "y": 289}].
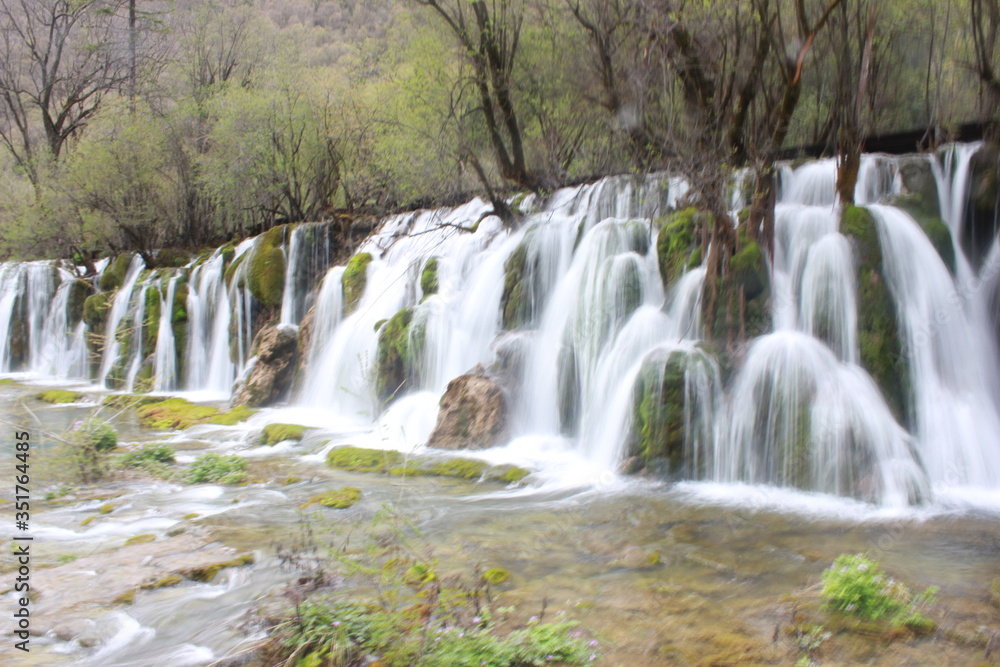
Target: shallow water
[{"x": 694, "y": 573}]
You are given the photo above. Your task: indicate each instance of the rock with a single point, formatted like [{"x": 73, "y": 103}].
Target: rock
[
  {"x": 266, "y": 267},
  {"x": 114, "y": 275},
  {"x": 172, "y": 258},
  {"x": 400, "y": 345},
  {"x": 79, "y": 292},
  {"x": 979, "y": 229},
  {"x": 473, "y": 414},
  {"x": 742, "y": 307},
  {"x": 925, "y": 213},
  {"x": 270, "y": 378},
  {"x": 678, "y": 245},
  {"x": 878, "y": 333},
  {"x": 918, "y": 179},
  {"x": 429, "y": 277},
  {"x": 354, "y": 280}
]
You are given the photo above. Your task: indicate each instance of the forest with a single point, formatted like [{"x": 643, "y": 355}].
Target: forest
[{"x": 137, "y": 125}]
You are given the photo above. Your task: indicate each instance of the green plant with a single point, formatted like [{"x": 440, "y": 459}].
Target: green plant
[
  {"x": 855, "y": 585},
  {"x": 217, "y": 469},
  {"x": 420, "y": 613},
  {"x": 96, "y": 434},
  {"x": 147, "y": 455}
]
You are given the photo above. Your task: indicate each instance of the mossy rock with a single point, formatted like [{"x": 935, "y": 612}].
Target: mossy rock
[
  {"x": 937, "y": 231},
  {"x": 496, "y": 576},
  {"x": 880, "y": 344},
  {"x": 514, "y": 475},
  {"x": 982, "y": 210},
  {"x": 95, "y": 311},
  {"x": 394, "y": 366},
  {"x": 179, "y": 324},
  {"x": 354, "y": 280},
  {"x": 165, "y": 582},
  {"x": 140, "y": 539},
  {"x": 151, "y": 323},
  {"x": 266, "y": 268},
  {"x": 208, "y": 573},
  {"x": 79, "y": 292},
  {"x": 522, "y": 297},
  {"x": 275, "y": 433},
  {"x": 429, "y": 277},
  {"x": 658, "y": 414},
  {"x": 459, "y": 468},
  {"x": 678, "y": 245},
  {"x": 232, "y": 268},
  {"x": 59, "y": 396},
  {"x": 358, "y": 459},
  {"x": 339, "y": 499},
  {"x": 569, "y": 389},
  {"x": 174, "y": 413},
  {"x": 114, "y": 275},
  {"x": 145, "y": 378},
  {"x": 231, "y": 418},
  {"x": 172, "y": 258},
  {"x": 128, "y": 597},
  {"x": 106, "y": 508},
  {"x": 742, "y": 307}
]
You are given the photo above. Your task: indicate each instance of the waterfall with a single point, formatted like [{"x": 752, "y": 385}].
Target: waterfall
[
  {"x": 119, "y": 309},
  {"x": 598, "y": 351},
  {"x": 165, "y": 356}
]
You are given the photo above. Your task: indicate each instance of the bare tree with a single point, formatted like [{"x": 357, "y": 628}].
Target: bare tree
[
  {"x": 489, "y": 32},
  {"x": 57, "y": 60},
  {"x": 985, "y": 15}
]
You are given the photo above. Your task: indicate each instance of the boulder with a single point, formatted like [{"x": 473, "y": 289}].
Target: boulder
[
  {"x": 473, "y": 415},
  {"x": 270, "y": 377}
]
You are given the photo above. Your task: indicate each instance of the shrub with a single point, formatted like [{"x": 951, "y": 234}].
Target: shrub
[
  {"x": 96, "y": 434},
  {"x": 152, "y": 453},
  {"x": 856, "y": 586},
  {"x": 217, "y": 469}
]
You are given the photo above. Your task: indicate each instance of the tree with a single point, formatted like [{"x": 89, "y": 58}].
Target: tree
[
  {"x": 57, "y": 60},
  {"x": 489, "y": 39},
  {"x": 985, "y": 25}
]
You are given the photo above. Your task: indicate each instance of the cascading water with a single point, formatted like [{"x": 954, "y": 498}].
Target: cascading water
[{"x": 598, "y": 353}]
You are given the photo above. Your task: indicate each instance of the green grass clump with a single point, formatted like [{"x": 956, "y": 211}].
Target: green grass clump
[
  {"x": 235, "y": 416},
  {"x": 339, "y": 499},
  {"x": 275, "y": 433},
  {"x": 216, "y": 469},
  {"x": 59, "y": 396},
  {"x": 174, "y": 413},
  {"x": 149, "y": 454},
  {"x": 358, "y": 459},
  {"x": 460, "y": 468},
  {"x": 855, "y": 585}
]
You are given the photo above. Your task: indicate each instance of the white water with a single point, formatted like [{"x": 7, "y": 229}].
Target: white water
[{"x": 798, "y": 409}]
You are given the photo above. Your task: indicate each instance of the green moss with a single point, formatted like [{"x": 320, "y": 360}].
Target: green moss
[
  {"x": 174, "y": 413},
  {"x": 79, "y": 292},
  {"x": 166, "y": 582},
  {"x": 59, "y": 396},
  {"x": 496, "y": 575},
  {"x": 520, "y": 298},
  {"x": 275, "y": 433},
  {"x": 266, "y": 268},
  {"x": 925, "y": 214},
  {"x": 460, "y": 468},
  {"x": 128, "y": 597},
  {"x": 228, "y": 252},
  {"x": 354, "y": 280},
  {"x": 191, "y": 515},
  {"x": 429, "y": 277},
  {"x": 357, "y": 459},
  {"x": 172, "y": 258},
  {"x": 232, "y": 268},
  {"x": 678, "y": 244},
  {"x": 878, "y": 335},
  {"x": 207, "y": 574},
  {"x": 151, "y": 325},
  {"x": 89, "y": 520},
  {"x": 114, "y": 275},
  {"x": 658, "y": 414},
  {"x": 339, "y": 499},
  {"x": 140, "y": 539},
  {"x": 7, "y": 382},
  {"x": 106, "y": 508},
  {"x": 95, "y": 311},
  {"x": 235, "y": 416},
  {"x": 742, "y": 308},
  {"x": 393, "y": 365},
  {"x": 514, "y": 474}
]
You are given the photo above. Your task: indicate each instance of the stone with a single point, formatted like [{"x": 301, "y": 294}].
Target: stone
[
  {"x": 473, "y": 415},
  {"x": 270, "y": 377}
]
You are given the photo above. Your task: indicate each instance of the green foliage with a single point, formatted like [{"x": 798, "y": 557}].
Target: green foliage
[
  {"x": 677, "y": 244},
  {"x": 216, "y": 469},
  {"x": 275, "y": 433},
  {"x": 114, "y": 274},
  {"x": 96, "y": 434},
  {"x": 59, "y": 396},
  {"x": 146, "y": 455},
  {"x": 855, "y": 585},
  {"x": 95, "y": 311},
  {"x": 354, "y": 280},
  {"x": 419, "y": 617}
]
